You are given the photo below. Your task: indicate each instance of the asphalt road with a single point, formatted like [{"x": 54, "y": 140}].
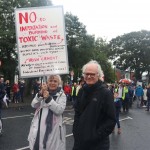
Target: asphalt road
[{"x": 135, "y": 129}]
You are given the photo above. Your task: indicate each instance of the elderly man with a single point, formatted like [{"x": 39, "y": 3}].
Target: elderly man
[{"x": 94, "y": 118}]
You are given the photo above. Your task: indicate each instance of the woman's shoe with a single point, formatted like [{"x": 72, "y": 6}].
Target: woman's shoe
[{"x": 119, "y": 131}]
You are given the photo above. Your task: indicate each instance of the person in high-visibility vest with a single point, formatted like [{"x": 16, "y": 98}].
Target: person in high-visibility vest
[
  {"x": 74, "y": 93},
  {"x": 125, "y": 99}
]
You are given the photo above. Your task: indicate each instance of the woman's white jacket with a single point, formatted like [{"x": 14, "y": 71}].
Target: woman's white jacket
[{"x": 56, "y": 139}]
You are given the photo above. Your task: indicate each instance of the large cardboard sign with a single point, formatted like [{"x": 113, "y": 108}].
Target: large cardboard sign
[{"x": 41, "y": 41}]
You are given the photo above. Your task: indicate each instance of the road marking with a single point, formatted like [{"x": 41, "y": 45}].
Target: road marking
[
  {"x": 125, "y": 118},
  {"x": 68, "y": 121},
  {"x": 69, "y": 135},
  {"x": 23, "y": 148},
  {"x": 16, "y": 117}
]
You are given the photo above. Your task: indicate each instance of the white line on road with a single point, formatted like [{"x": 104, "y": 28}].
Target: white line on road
[
  {"x": 31, "y": 114},
  {"x": 17, "y": 117},
  {"x": 125, "y": 118},
  {"x": 27, "y": 147},
  {"x": 69, "y": 135}
]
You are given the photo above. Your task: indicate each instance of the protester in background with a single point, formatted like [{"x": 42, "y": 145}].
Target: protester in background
[
  {"x": 94, "y": 116},
  {"x": 131, "y": 95},
  {"x": 74, "y": 93},
  {"x": 111, "y": 88},
  {"x": 67, "y": 90},
  {"x": 81, "y": 83},
  {"x": 125, "y": 99},
  {"x": 120, "y": 92},
  {"x": 16, "y": 94},
  {"x": 36, "y": 88},
  {"x": 8, "y": 88},
  {"x": 47, "y": 131},
  {"x": 145, "y": 96},
  {"x": 21, "y": 90},
  {"x": 139, "y": 95},
  {"x": 134, "y": 96},
  {"x": 148, "y": 97},
  {"x": 117, "y": 106}
]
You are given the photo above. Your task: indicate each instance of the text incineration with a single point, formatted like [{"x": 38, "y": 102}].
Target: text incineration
[{"x": 34, "y": 27}]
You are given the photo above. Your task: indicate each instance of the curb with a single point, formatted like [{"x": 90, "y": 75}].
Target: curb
[{"x": 16, "y": 105}]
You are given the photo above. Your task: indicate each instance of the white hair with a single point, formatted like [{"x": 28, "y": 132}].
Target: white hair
[
  {"x": 100, "y": 71},
  {"x": 58, "y": 76}
]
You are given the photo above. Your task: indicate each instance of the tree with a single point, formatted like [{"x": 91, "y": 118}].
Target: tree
[
  {"x": 83, "y": 48},
  {"x": 132, "y": 50},
  {"x": 79, "y": 43},
  {"x": 100, "y": 54}
]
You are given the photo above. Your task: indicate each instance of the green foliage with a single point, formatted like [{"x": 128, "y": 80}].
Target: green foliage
[
  {"x": 78, "y": 42},
  {"x": 83, "y": 48},
  {"x": 131, "y": 50},
  {"x": 100, "y": 54},
  {"x": 7, "y": 39}
]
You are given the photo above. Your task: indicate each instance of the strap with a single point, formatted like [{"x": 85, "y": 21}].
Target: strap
[{"x": 36, "y": 144}]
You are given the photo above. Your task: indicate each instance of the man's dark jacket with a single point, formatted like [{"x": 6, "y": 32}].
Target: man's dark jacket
[
  {"x": 148, "y": 93},
  {"x": 94, "y": 118}
]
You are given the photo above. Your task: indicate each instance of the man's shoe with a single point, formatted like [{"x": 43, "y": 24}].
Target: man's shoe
[
  {"x": 113, "y": 130},
  {"x": 146, "y": 110}
]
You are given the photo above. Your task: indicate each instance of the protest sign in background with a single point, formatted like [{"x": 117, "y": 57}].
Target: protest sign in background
[{"x": 41, "y": 41}]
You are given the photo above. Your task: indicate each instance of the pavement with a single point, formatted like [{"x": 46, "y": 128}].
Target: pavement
[{"x": 27, "y": 102}]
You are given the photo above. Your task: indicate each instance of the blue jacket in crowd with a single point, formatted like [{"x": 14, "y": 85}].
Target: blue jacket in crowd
[{"x": 139, "y": 91}]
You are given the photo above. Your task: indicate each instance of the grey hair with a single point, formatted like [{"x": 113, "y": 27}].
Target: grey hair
[
  {"x": 58, "y": 76},
  {"x": 100, "y": 71}
]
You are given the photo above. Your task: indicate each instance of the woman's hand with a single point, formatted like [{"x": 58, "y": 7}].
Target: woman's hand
[
  {"x": 45, "y": 94},
  {"x": 44, "y": 87},
  {"x": 43, "y": 90}
]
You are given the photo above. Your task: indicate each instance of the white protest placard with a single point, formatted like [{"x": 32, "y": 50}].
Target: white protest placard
[{"x": 41, "y": 41}]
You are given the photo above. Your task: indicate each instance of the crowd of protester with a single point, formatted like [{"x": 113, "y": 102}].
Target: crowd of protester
[
  {"x": 14, "y": 92},
  {"x": 129, "y": 93}
]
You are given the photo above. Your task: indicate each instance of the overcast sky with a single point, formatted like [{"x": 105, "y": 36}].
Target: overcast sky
[{"x": 109, "y": 18}]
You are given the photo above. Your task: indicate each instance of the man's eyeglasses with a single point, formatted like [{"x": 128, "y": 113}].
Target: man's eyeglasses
[{"x": 92, "y": 75}]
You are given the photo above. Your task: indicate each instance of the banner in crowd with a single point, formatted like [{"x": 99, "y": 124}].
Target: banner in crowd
[{"x": 41, "y": 41}]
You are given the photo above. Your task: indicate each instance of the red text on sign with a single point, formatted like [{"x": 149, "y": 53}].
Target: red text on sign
[
  {"x": 27, "y": 17},
  {"x": 28, "y": 39}
]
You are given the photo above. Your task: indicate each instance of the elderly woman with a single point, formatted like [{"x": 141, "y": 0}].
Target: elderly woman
[{"x": 47, "y": 130}]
